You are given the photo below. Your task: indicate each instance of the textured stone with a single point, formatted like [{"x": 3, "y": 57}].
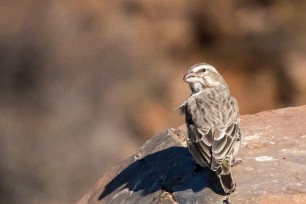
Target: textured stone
[{"x": 273, "y": 168}]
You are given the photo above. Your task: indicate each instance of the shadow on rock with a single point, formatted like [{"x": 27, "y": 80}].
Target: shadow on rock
[{"x": 172, "y": 169}]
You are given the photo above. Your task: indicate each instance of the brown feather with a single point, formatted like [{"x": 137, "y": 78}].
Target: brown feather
[{"x": 212, "y": 118}]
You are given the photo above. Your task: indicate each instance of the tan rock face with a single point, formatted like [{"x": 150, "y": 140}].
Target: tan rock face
[
  {"x": 274, "y": 159},
  {"x": 273, "y": 168}
]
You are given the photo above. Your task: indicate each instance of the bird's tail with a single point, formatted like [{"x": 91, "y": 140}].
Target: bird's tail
[{"x": 227, "y": 183}]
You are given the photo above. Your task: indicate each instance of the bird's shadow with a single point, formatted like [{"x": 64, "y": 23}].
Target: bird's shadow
[{"x": 172, "y": 169}]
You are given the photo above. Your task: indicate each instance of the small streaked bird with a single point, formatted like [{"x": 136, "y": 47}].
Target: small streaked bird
[{"x": 212, "y": 119}]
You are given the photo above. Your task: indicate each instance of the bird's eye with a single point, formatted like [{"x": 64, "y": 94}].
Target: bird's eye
[{"x": 202, "y": 70}]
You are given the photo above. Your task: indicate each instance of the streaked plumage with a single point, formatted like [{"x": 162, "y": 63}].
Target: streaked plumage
[{"x": 212, "y": 119}]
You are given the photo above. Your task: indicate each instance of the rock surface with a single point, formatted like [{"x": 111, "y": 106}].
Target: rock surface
[{"x": 273, "y": 168}]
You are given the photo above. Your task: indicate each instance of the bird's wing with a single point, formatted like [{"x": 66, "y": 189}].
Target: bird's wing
[
  {"x": 200, "y": 143},
  {"x": 225, "y": 136},
  {"x": 223, "y": 141},
  {"x": 210, "y": 148},
  {"x": 209, "y": 144},
  {"x": 199, "y": 140}
]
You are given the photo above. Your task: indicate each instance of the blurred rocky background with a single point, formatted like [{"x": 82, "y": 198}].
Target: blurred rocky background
[{"x": 84, "y": 83}]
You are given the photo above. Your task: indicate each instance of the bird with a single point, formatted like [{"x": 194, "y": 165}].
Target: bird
[{"x": 212, "y": 118}]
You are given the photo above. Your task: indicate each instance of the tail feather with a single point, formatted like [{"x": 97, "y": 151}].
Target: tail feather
[{"x": 227, "y": 183}]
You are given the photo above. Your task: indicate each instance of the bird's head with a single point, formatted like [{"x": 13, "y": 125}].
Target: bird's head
[{"x": 202, "y": 76}]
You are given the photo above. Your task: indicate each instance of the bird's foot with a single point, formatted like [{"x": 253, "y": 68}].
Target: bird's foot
[{"x": 236, "y": 161}]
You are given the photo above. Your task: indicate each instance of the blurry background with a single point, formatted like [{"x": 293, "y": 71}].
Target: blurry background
[{"x": 84, "y": 83}]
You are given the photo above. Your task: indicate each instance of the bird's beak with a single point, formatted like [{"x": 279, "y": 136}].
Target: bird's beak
[{"x": 191, "y": 77}]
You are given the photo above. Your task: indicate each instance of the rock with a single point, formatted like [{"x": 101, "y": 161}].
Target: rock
[{"x": 273, "y": 170}]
